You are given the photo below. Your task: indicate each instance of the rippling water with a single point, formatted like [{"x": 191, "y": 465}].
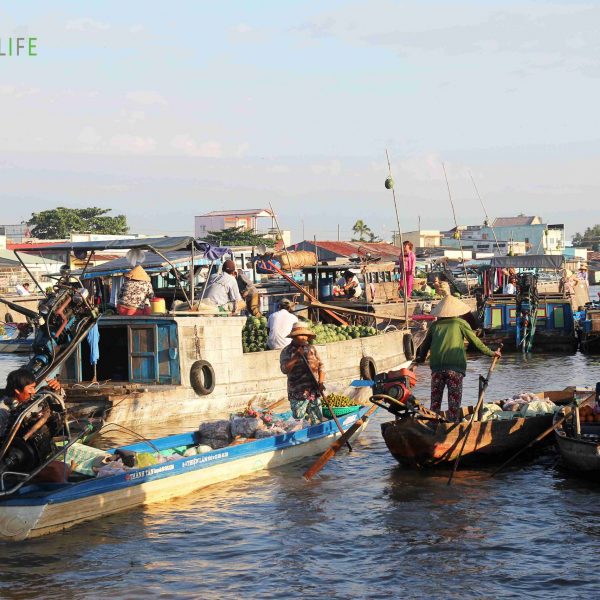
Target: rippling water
[{"x": 364, "y": 528}]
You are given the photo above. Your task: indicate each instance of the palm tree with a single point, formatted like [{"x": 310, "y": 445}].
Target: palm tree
[{"x": 362, "y": 230}]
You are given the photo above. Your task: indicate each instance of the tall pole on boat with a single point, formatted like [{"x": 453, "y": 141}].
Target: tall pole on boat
[
  {"x": 487, "y": 218},
  {"x": 462, "y": 253},
  {"x": 389, "y": 184}
]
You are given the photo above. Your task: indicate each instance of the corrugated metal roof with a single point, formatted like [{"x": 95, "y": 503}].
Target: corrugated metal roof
[
  {"x": 347, "y": 249},
  {"x": 515, "y": 221}
]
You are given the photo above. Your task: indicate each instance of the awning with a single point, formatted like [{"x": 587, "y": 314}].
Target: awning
[{"x": 528, "y": 261}]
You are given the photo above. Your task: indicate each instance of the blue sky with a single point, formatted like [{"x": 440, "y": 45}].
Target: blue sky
[{"x": 162, "y": 112}]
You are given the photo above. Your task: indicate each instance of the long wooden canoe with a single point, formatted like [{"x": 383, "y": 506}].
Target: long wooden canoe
[
  {"x": 417, "y": 442},
  {"x": 44, "y": 508}
]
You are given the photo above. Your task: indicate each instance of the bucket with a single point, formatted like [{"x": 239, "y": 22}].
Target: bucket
[
  {"x": 325, "y": 288},
  {"x": 158, "y": 306}
]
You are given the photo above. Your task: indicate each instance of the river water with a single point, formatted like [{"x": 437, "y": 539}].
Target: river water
[{"x": 364, "y": 528}]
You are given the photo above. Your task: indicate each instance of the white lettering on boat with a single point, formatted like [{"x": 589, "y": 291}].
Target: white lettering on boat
[
  {"x": 150, "y": 471},
  {"x": 202, "y": 459}
]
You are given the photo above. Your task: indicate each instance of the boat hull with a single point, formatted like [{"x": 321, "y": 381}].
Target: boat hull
[
  {"x": 417, "y": 443},
  {"x": 36, "y": 515},
  {"x": 579, "y": 455}
]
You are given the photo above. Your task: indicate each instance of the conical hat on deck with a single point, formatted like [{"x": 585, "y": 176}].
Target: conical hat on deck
[
  {"x": 138, "y": 274},
  {"x": 450, "y": 306}
]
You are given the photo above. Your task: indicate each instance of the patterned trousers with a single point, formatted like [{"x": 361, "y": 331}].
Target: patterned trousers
[
  {"x": 306, "y": 405},
  {"x": 454, "y": 381}
]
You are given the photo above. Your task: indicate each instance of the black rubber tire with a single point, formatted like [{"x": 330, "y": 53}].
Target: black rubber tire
[
  {"x": 408, "y": 345},
  {"x": 202, "y": 377},
  {"x": 8, "y": 318},
  {"x": 367, "y": 368}
]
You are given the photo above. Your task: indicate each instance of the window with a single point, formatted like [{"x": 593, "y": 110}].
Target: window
[{"x": 484, "y": 236}]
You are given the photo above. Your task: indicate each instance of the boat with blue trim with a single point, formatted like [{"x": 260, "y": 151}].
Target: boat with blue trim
[{"x": 38, "y": 509}]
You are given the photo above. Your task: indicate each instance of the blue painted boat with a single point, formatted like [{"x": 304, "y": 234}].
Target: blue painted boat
[{"x": 39, "y": 509}]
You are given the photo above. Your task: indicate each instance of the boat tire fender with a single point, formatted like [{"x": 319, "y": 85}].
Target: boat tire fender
[
  {"x": 8, "y": 318},
  {"x": 367, "y": 368},
  {"x": 408, "y": 345},
  {"x": 202, "y": 377}
]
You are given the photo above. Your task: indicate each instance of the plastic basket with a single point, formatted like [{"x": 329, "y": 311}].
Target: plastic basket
[{"x": 340, "y": 411}]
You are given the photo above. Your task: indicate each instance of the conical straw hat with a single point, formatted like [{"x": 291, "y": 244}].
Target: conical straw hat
[
  {"x": 450, "y": 306},
  {"x": 138, "y": 274}
]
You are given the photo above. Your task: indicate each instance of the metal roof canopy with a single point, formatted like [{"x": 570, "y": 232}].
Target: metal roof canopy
[
  {"x": 153, "y": 263},
  {"x": 163, "y": 244},
  {"x": 534, "y": 261}
]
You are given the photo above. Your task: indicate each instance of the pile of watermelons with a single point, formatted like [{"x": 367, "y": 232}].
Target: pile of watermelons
[
  {"x": 339, "y": 333},
  {"x": 254, "y": 334}
]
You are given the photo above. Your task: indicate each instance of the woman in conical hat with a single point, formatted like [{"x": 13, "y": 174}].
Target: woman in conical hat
[
  {"x": 135, "y": 293},
  {"x": 445, "y": 341}
]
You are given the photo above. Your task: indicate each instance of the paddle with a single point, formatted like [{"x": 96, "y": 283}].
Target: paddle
[
  {"x": 339, "y": 426},
  {"x": 337, "y": 444},
  {"x": 541, "y": 436},
  {"x": 484, "y": 383}
]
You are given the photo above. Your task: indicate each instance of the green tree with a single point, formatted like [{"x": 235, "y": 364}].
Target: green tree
[
  {"x": 59, "y": 223},
  {"x": 363, "y": 231},
  {"x": 589, "y": 239},
  {"x": 238, "y": 236}
]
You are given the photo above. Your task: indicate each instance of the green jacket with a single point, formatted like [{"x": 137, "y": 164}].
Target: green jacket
[{"x": 445, "y": 339}]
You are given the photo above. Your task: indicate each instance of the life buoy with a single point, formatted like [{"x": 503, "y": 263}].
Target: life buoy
[
  {"x": 367, "y": 368},
  {"x": 202, "y": 377},
  {"x": 409, "y": 347}
]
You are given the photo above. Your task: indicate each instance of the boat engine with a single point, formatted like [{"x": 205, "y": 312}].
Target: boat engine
[
  {"x": 29, "y": 441},
  {"x": 63, "y": 315},
  {"x": 393, "y": 391}
]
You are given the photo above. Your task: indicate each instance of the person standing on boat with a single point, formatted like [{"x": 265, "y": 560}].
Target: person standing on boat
[
  {"x": 445, "y": 341},
  {"x": 223, "y": 289},
  {"x": 408, "y": 267},
  {"x": 280, "y": 324},
  {"x": 582, "y": 275},
  {"x": 305, "y": 375},
  {"x": 135, "y": 293},
  {"x": 249, "y": 293}
]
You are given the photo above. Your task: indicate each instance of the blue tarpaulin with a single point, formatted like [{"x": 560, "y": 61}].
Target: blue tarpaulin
[{"x": 93, "y": 338}]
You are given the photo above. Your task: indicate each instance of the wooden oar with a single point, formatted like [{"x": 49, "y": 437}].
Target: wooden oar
[
  {"x": 339, "y": 426},
  {"x": 542, "y": 435},
  {"x": 474, "y": 416},
  {"x": 337, "y": 444}
]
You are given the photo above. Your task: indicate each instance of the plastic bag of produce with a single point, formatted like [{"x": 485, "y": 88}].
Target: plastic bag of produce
[
  {"x": 538, "y": 407},
  {"x": 488, "y": 411},
  {"x": 245, "y": 426},
  {"x": 217, "y": 434},
  {"x": 271, "y": 432}
]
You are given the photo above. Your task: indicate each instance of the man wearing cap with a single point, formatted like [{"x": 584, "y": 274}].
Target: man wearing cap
[
  {"x": 280, "y": 324},
  {"x": 135, "y": 293},
  {"x": 448, "y": 359},
  {"x": 305, "y": 375},
  {"x": 223, "y": 289}
]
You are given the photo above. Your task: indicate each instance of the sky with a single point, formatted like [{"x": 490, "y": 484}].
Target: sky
[{"x": 163, "y": 112}]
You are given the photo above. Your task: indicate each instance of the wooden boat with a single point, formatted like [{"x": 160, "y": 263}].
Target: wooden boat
[
  {"x": 419, "y": 442},
  {"x": 589, "y": 329},
  {"x": 41, "y": 509},
  {"x": 184, "y": 363},
  {"x": 578, "y": 442}
]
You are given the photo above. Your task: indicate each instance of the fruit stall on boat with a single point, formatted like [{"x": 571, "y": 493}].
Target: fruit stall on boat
[
  {"x": 528, "y": 320},
  {"x": 179, "y": 363}
]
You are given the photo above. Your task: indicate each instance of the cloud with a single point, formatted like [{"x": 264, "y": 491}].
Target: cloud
[
  {"x": 185, "y": 144},
  {"x": 278, "y": 169},
  {"x": 86, "y": 24},
  {"x": 133, "y": 144},
  {"x": 242, "y": 28},
  {"x": 17, "y": 92},
  {"x": 242, "y": 149},
  {"x": 136, "y": 28},
  {"x": 146, "y": 97},
  {"x": 332, "y": 168},
  {"x": 89, "y": 136}
]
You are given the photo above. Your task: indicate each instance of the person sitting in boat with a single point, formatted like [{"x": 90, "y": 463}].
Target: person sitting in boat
[
  {"x": 511, "y": 286},
  {"x": 135, "y": 293},
  {"x": 249, "y": 293},
  {"x": 349, "y": 285},
  {"x": 223, "y": 289},
  {"x": 445, "y": 341},
  {"x": 280, "y": 324},
  {"x": 23, "y": 290},
  {"x": 305, "y": 375}
]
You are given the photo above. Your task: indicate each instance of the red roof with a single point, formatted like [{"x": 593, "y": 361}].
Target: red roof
[
  {"x": 361, "y": 248},
  {"x": 32, "y": 245}
]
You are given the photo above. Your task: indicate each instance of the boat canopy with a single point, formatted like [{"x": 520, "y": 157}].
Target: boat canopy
[
  {"x": 529, "y": 261},
  {"x": 153, "y": 263},
  {"x": 162, "y": 244}
]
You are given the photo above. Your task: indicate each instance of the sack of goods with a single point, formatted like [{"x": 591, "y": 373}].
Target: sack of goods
[{"x": 296, "y": 260}]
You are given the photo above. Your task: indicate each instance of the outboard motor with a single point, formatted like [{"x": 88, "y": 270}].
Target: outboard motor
[{"x": 393, "y": 391}]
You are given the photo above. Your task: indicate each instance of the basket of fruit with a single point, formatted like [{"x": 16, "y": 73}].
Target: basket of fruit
[{"x": 340, "y": 404}]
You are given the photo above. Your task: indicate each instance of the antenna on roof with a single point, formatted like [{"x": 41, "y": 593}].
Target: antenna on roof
[{"x": 487, "y": 218}]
